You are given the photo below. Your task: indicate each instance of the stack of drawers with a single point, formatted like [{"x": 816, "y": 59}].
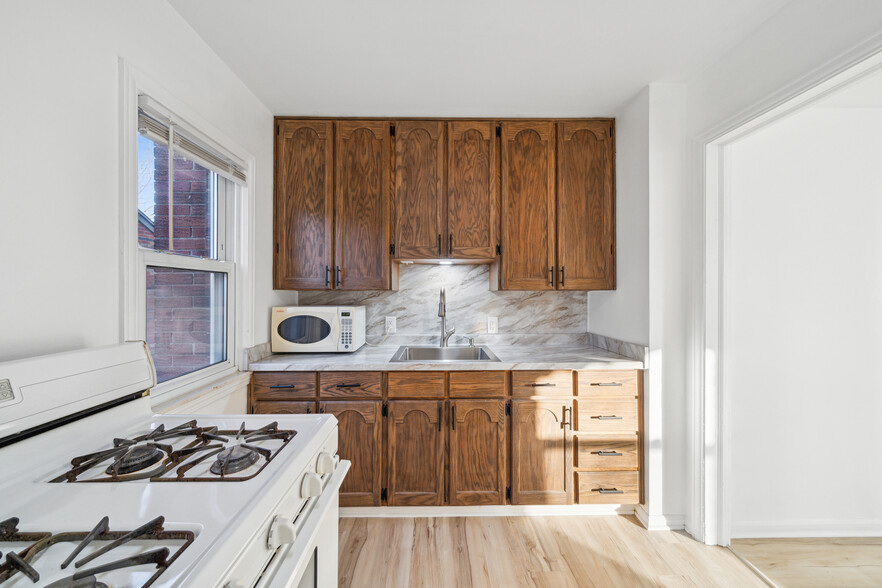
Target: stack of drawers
[{"x": 607, "y": 442}]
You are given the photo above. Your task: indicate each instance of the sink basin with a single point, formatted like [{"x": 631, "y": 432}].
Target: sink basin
[{"x": 444, "y": 354}]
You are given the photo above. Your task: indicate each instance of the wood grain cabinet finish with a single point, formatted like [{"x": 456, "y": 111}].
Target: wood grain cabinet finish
[
  {"x": 420, "y": 227},
  {"x": 472, "y": 190},
  {"x": 283, "y": 385},
  {"x": 345, "y": 385},
  {"x": 607, "y": 415},
  {"x": 541, "y": 383},
  {"x": 361, "y": 203},
  {"x": 303, "y": 205},
  {"x": 585, "y": 206},
  {"x": 607, "y": 487},
  {"x": 416, "y": 452},
  {"x": 542, "y": 461},
  {"x": 360, "y": 441},
  {"x": 606, "y": 452},
  {"x": 476, "y": 384},
  {"x": 416, "y": 385},
  {"x": 282, "y": 407},
  {"x": 477, "y": 452},
  {"x": 609, "y": 383},
  {"x": 528, "y": 206}
]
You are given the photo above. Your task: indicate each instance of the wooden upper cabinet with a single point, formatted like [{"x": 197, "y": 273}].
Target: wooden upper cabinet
[
  {"x": 420, "y": 231},
  {"x": 528, "y": 208},
  {"x": 586, "y": 206},
  {"x": 363, "y": 161},
  {"x": 303, "y": 205},
  {"x": 472, "y": 192},
  {"x": 416, "y": 452},
  {"x": 477, "y": 452}
]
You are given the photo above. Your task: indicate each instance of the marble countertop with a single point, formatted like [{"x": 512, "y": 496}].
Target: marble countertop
[{"x": 519, "y": 357}]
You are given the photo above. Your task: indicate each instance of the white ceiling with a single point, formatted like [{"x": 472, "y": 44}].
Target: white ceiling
[{"x": 466, "y": 57}]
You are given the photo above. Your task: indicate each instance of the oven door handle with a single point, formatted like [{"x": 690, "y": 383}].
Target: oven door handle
[{"x": 285, "y": 563}]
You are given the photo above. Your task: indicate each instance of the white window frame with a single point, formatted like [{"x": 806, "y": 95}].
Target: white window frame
[{"x": 235, "y": 234}]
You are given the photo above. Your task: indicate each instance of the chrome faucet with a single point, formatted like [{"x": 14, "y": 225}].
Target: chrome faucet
[{"x": 442, "y": 312}]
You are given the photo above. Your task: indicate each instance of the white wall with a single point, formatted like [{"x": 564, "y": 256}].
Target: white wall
[
  {"x": 623, "y": 313},
  {"x": 59, "y": 200},
  {"x": 805, "y": 281}
]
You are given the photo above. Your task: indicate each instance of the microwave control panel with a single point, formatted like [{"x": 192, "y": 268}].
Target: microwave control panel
[{"x": 346, "y": 329}]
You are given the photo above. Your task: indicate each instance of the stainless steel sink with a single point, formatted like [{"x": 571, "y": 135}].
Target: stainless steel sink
[{"x": 444, "y": 354}]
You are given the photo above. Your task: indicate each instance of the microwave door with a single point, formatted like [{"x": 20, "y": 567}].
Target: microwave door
[{"x": 310, "y": 331}]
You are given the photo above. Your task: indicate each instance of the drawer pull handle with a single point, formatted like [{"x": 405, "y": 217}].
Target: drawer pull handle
[
  {"x": 607, "y": 453},
  {"x": 606, "y": 384},
  {"x": 611, "y": 417},
  {"x": 564, "y": 423},
  {"x": 283, "y": 386},
  {"x": 349, "y": 385},
  {"x": 538, "y": 384},
  {"x": 608, "y": 490}
]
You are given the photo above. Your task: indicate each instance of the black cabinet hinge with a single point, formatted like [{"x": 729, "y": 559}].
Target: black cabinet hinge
[
  {"x": 499, "y": 250},
  {"x": 508, "y": 408},
  {"x": 277, "y": 247},
  {"x": 384, "y": 494},
  {"x": 498, "y": 131},
  {"x": 392, "y": 249},
  {"x": 385, "y": 409},
  {"x": 610, "y": 249},
  {"x": 278, "y": 129},
  {"x": 508, "y": 493},
  {"x": 392, "y": 131}
]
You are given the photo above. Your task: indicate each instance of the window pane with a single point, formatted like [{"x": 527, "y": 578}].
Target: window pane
[
  {"x": 186, "y": 320},
  {"x": 185, "y": 221}
]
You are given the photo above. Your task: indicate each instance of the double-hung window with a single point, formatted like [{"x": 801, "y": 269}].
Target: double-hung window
[{"x": 185, "y": 270}]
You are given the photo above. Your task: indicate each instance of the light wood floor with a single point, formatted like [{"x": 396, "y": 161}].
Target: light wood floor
[
  {"x": 554, "y": 552},
  {"x": 812, "y": 563}
]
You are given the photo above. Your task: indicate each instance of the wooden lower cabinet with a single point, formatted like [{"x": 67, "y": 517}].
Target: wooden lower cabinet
[
  {"x": 282, "y": 407},
  {"x": 360, "y": 441},
  {"x": 542, "y": 456},
  {"x": 416, "y": 452},
  {"x": 477, "y": 452}
]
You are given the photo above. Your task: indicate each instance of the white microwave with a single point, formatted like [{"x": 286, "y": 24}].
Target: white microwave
[{"x": 317, "y": 329}]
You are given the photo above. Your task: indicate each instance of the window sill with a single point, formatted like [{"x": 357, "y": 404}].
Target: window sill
[{"x": 201, "y": 389}]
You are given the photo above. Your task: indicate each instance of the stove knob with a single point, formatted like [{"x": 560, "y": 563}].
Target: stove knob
[
  {"x": 312, "y": 485},
  {"x": 326, "y": 463},
  {"x": 281, "y": 532}
]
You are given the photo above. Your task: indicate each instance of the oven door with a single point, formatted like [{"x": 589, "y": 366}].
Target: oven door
[
  {"x": 311, "y": 560},
  {"x": 305, "y": 330}
]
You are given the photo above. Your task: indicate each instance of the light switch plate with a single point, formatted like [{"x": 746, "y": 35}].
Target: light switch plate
[
  {"x": 390, "y": 325},
  {"x": 492, "y": 324}
]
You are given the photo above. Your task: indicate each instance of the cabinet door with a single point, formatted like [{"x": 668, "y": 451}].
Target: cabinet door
[
  {"x": 362, "y": 205},
  {"x": 542, "y": 460},
  {"x": 528, "y": 232},
  {"x": 359, "y": 441},
  {"x": 586, "y": 206},
  {"x": 282, "y": 407},
  {"x": 415, "y": 452},
  {"x": 477, "y": 452},
  {"x": 419, "y": 190},
  {"x": 472, "y": 196},
  {"x": 303, "y": 205}
]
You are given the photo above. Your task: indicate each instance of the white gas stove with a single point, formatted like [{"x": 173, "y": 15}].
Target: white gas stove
[{"x": 97, "y": 490}]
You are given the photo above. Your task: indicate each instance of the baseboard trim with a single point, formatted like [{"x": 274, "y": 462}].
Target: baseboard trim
[
  {"x": 816, "y": 528},
  {"x": 659, "y": 522},
  {"x": 486, "y": 511}
]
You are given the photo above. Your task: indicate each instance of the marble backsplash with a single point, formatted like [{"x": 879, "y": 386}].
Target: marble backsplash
[{"x": 552, "y": 315}]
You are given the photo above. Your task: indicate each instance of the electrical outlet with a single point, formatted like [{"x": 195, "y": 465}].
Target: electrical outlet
[
  {"x": 390, "y": 324},
  {"x": 492, "y": 324}
]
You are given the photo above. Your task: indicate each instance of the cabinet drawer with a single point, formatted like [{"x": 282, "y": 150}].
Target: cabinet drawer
[
  {"x": 608, "y": 383},
  {"x": 282, "y": 385},
  {"x": 606, "y": 452},
  {"x": 607, "y": 487},
  {"x": 351, "y": 384},
  {"x": 283, "y": 407},
  {"x": 477, "y": 384},
  {"x": 544, "y": 383},
  {"x": 606, "y": 415},
  {"x": 416, "y": 384}
]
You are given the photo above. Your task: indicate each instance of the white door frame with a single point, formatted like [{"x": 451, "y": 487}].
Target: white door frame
[{"x": 711, "y": 509}]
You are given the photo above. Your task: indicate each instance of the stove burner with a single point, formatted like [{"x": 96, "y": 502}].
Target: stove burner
[
  {"x": 135, "y": 460},
  {"x": 234, "y": 459}
]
